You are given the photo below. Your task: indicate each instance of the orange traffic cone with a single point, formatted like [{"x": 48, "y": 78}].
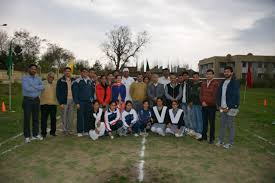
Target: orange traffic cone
[
  {"x": 3, "y": 107},
  {"x": 265, "y": 103}
]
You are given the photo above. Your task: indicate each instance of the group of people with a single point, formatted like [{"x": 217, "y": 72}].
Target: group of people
[{"x": 119, "y": 104}]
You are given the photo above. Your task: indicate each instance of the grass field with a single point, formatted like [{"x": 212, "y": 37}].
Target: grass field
[{"x": 167, "y": 159}]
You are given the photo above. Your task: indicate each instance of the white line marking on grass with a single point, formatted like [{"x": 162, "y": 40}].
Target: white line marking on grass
[
  {"x": 260, "y": 137},
  {"x": 16, "y": 136},
  {"x": 141, "y": 162},
  {"x": 19, "y": 145}
]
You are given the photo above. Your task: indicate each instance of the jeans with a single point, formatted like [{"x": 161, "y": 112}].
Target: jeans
[
  {"x": 46, "y": 111},
  {"x": 187, "y": 115},
  {"x": 227, "y": 121},
  {"x": 197, "y": 118},
  {"x": 208, "y": 115},
  {"x": 31, "y": 108},
  {"x": 137, "y": 105}
]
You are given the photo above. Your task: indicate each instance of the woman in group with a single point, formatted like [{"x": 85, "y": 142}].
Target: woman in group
[
  {"x": 145, "y": 117},
  {"x": 112, "y": 119},
  {"x": 175, "y": 124},
  {"x": 96, "y": 121},
  {"x": 103, "y": 92},
  {"x": 160, "y": 117},
  {"x": 119, "y": 92},
  {"x": 130, "y": 119}
]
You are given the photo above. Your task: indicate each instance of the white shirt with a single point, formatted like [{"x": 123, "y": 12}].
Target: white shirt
[
  {"x": 164, "y": 81},
  {"x": 127, "y": 82},
  {"x": 184, "y": 93},
  {"x": 224, "y": 87}
]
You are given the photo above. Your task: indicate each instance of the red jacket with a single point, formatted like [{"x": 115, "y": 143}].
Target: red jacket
[
  {"x": 208, "y": 94},
  {"x": 103, "y": 94}
]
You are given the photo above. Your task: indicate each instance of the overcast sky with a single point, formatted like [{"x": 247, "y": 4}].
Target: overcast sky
[{"x": 180, "y": 30}]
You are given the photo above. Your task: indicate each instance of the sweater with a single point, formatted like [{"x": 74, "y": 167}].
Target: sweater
[
  {"x": 145, "y": 116},
  {"x": 160, "y": 116},
  {"x": 208, "y": 94},
  {"x": 138, "y": 91},
  {"x": 48, "y": 95},
  {"x": 176, "y": 118},
  {"x": 194, "y": 93},
  {"x": 103, "y": 94},
  {"x": 83, "y": 91},
  {"x": 111, "y": 118}
]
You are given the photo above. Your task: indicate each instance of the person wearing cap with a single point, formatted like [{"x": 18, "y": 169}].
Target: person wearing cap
[
  {"x": 48, "y": 103},
  {"x": 127, "y": 81},
  {"x": 165, "y": 79}
]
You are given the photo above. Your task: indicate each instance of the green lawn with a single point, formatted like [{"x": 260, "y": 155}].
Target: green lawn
[{"x": 167, "y": 159}]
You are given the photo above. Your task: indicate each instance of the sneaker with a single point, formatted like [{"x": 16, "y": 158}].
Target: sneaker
[
  {"x": 112, "y": 137},
  {"x": 178, "y": 135},
  {"x": 162, "y": 133},
  {"x": 136, "y": 135},
  {"x": 219, "y": 143},
  {"x": 228, "y": 146},
  {"x": 79, "y": 135},
  {"x": 38, "y": 137},
  {"x": 198, "y": 136},
  {"x": 27, "y": 140}
]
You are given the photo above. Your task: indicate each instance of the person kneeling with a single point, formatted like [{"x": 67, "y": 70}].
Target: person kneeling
[
  {"x": 112, "y": 120},
  {"x": 97, "y": 121},
  {"x": 176, "y": 121},
  {"x": 160, "y": 118},
  {"x": 130, "y": 119}
]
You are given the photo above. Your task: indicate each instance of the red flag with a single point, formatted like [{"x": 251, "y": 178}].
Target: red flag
[{"x": 249, "y": 79}]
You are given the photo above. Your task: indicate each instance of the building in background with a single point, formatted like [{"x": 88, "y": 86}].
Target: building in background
[{"x": 261, "y": 65}]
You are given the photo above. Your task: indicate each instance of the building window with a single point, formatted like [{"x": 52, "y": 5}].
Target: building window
[
  {"x": 260, "y": 76},
  {"x": 244, "y": 64},
  {"x": 222, "y": 65},
  {"x": 260, "y": 65},
  {"x": 266, "y": 65}
]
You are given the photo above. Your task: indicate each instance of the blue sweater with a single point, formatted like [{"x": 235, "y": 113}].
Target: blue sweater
[
  {"x": 232, "y": 94},
  {"x": 144, "y": 116}
]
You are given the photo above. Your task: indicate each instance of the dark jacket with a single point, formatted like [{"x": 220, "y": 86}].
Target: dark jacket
[
  {"x": 155, "y": 92},
  {"x": 62, "y": 90},
  {"x": 194, "y": 93},
  {"x": 82, "y": 91},
  {"x": 187, "y": 91},
  {"x": 232, "y": 94}
]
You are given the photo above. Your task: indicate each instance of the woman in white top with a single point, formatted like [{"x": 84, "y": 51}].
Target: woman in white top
[
  {"x": 96, "y": 121},
  {"x": 130, "y": 119},
  {"x": 176, "y": 121},
  {"x": 160, "y": 117}
]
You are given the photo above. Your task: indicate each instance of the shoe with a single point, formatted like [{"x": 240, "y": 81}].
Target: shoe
[
  {"x": 136, "y": 135},
  {"x": 38, "y": 137},
  {"x": 79, "y": 135},
  {"x": 112, "y": 137},
  {"x": 198, "y": 136},
  {"x": 27, "y": 140},
  {"x": 219, "y": 143},
  {"x": 178, "y": 135},
  {"x": 161, "y": 133},
  {"x": 228, "y": 146}
]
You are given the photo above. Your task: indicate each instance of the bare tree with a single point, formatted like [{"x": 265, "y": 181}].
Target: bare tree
[{"x": 120, "y": 46}]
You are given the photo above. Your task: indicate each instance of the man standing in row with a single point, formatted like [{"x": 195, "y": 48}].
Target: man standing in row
[
  {"x": 228, "y": 100},
  {"x": 208, "y": 100},
  {"x": 173, "y": 91},
  {"x": 165, "y": 79},
  {"x": 48, "y": 105},
  {"x": 31, "y": 88},
  {"x": 83, "y": 95},
  {"x": 65, "y": 100},
  {"x": 155, "y": 90},
  {"x": 138, "y": 91},
  {"x": 184, "y": 100},
  {"x": 127, "y": 81}
]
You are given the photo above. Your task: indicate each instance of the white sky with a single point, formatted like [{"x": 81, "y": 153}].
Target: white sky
[{"x": 181, "y": 30}]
